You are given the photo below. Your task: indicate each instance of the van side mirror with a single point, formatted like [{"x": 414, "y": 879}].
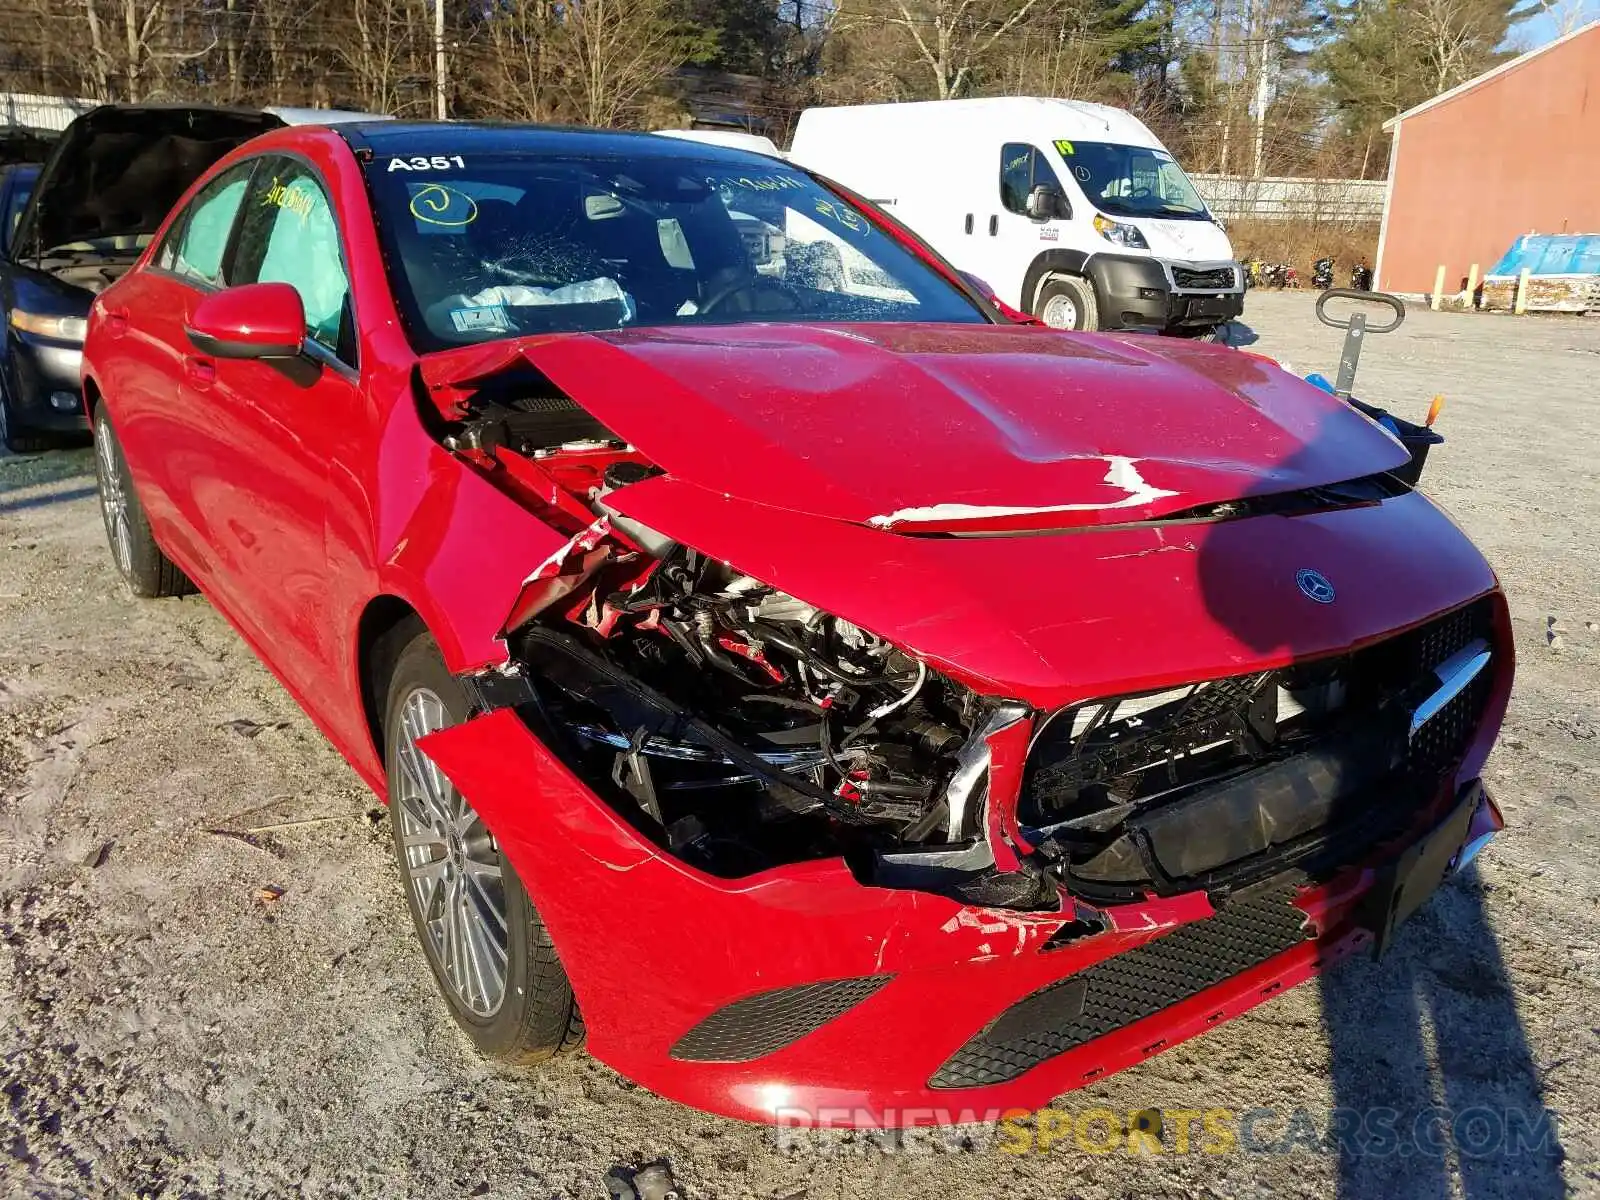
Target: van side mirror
[{"x": 1046, "y": 203}]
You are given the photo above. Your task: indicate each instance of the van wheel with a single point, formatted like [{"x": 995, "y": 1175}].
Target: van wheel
[{"x": 1067, "y": 302}]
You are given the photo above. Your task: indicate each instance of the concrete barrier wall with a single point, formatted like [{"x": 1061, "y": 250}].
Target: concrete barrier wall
[{"x": 1282, "y": 198}]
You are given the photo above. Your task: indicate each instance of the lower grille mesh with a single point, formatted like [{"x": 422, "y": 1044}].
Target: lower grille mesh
[
  {"x": 1246, "y": 931},
  {"x": 1440, "y": 744},
  {"x": 1220, "y": 278},
  {"x": 764, "y": 1024}
]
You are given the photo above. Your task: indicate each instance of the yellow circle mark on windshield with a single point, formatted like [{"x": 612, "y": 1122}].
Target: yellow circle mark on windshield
[{"x": 437, "y": 204}]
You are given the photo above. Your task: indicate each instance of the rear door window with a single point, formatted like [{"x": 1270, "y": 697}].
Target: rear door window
[{"x": 198, "y": 245}]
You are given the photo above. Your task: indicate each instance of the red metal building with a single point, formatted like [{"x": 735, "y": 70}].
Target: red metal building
[{"x": 1514, "y": 151}]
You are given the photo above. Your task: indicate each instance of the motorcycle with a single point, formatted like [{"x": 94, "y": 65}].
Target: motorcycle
[
  {"x": 1361, "y": 278},
  {"x": 1322, "y": 274}
]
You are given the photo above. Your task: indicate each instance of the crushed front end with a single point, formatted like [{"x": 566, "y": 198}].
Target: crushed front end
[{"x": 844, "y": 824}]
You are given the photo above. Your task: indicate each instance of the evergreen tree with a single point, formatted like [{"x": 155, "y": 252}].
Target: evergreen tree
[
  {"x": 732, "y": 35},
  {"x": 1389, "y": 55}
]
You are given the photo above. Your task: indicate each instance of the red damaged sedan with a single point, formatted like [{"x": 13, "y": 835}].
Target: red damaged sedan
[{"x": 853, "y": 704}]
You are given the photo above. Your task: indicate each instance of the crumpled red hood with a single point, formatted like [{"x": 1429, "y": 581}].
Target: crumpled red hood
[{"x": 951, "y": 427}]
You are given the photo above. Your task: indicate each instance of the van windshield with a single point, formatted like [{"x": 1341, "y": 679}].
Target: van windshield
[
  {"x": 1133, "y": 181},
  {"x": 485, "y": 247}
]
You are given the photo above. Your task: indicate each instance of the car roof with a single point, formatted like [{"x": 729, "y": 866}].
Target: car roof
[
  {"x": 405, "y": 138},
  {"x": 321, "y": 116},
  {"x": 288, "y": 115}
]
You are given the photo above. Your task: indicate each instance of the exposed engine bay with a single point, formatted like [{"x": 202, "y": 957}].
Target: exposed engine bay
[
  {"x": 747, "y": 725},
  {"x": 742, "y": 728},
  {"x": 91, "y": 272}
]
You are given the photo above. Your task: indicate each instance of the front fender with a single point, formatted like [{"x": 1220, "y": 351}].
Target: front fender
[
  {"x": 1050, "y": 262},
  {"x": 452, "y": 545}
]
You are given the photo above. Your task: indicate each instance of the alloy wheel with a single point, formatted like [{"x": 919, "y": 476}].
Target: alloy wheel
[
  {"x": 452, "y": 865},
  {"x": 113, "y": 500}
]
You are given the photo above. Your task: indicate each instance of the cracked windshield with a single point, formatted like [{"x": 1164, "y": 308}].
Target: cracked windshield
[{"x": 499, "y": 247}]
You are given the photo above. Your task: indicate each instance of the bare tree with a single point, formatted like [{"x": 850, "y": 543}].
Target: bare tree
[
  {"x": 1062, "y": 57},
  {"x": 133, "y": 44},
  {"x": 616, "y": 52},
  {"x": 1567, "y": 15},
  {"x": 519, "y": 68},
  {"x": 381, "y": 56},
  {"x": 1450, "y": 35},
  {"x": 949, "y": 36}
]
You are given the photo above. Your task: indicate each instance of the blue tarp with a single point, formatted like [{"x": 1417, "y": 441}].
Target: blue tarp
[{"x": 1552, "y": 254}]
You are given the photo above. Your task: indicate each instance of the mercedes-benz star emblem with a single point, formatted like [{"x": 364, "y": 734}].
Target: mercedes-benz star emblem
[{"x": 1315, "y": 585}]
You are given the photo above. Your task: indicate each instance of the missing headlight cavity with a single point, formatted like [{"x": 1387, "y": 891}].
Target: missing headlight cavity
[
  {"x": 743, "y": 728},
  {"x": 735, "y": 725}
]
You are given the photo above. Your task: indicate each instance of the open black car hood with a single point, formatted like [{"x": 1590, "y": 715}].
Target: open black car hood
[
  {"x": 118, "y": 169},
  {"x": 25, "y": 145}
]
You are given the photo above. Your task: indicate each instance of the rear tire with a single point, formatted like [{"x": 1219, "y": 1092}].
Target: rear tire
[
  {"x": 144, "y": 568},
  {"x": 1068, "y": 302},
  {"x": 486, "y": 944}
]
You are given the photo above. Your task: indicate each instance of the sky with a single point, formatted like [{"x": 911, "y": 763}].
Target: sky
[{"x": 1538, "y": 30}]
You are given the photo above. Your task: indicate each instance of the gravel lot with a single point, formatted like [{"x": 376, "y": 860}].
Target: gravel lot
[{"x": 168, "y": 1032}]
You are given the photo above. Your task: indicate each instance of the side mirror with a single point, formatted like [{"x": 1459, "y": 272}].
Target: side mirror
[
  {"x": 255, "y": 320},
  {"x": 1046, "y": 202}
]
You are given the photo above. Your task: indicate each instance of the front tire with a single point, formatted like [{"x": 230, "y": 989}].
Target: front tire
[
  {"x": 15, "y": 436},
  {"x": 489, "y": 951},
  {"x": 147, "y": 571},
  {"x": 1068, "y": 302}
]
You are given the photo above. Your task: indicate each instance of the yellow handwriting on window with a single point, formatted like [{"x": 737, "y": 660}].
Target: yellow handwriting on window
[
  {"x": 437, "y": 204},
  {"x": 287, "y": 197}
]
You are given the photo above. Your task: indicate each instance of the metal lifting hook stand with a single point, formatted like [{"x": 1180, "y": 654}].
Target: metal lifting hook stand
[
  {"x": 1417, "y": 439},
  {"x": 1356, "y": 329}
]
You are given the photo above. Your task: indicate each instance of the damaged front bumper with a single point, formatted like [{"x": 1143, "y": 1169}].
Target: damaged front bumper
[{"x": 802, "y": 995}]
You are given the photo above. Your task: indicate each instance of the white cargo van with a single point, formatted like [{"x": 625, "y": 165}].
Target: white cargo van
[{"x": 1073, "y": 212}]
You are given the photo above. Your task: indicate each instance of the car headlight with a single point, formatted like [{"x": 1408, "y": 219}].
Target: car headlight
[
  {"x": 1122, "y": 235},
  {"x": 64, "y": 329}
]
